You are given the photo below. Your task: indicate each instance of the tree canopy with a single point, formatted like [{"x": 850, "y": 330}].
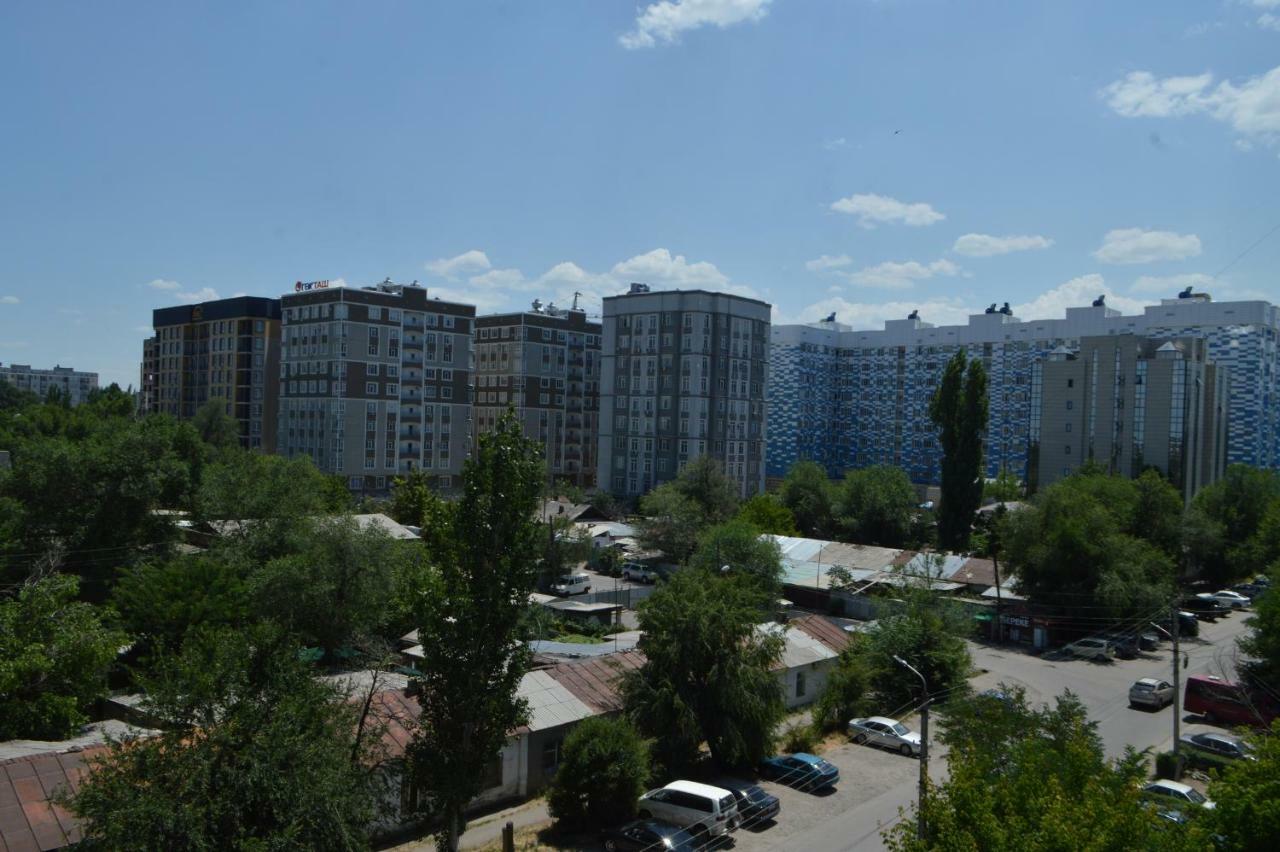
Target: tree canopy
[
  {"x": 738, "y": 546},
  {"x": 1237, "y": 523},
  {"x": 876, "y": 505},
  {"x": 676, "y": 512},
  {"x": 768, "y": 514},
  {"x": 604, "y": 767},
  {"x": 810, "y": 496},
  {"x": 959, "y": 410}
]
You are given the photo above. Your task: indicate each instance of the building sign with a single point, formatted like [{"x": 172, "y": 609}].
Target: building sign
[
  {"x": 1016, "y": 620},
  {"x": 304, "y": 286}
]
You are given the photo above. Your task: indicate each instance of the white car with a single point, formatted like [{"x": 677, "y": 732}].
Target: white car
[
  {"x": 639, "y": 573},
  {"x": 882, "y": 731},
  {"x": 1151, "y": 692},
  {"x": 1235, "y": 600},
  {"x": 1176, "y": 790},
  {"x": 698, "y": 807},
  {"x": 1092, "y": 649},
  {"x": 571, "y": 584}
]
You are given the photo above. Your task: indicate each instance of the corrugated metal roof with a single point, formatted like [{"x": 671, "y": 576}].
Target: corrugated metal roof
[
  {"x": 551, "y": 704},
  {"x": 824, "y": 630},
  {"x": 613, "y": 644},
  {"x": 28, "y": 820},
  {"x": 941, "y": 565},
  {"x": 800, "y": 649},
  {"x": 595, "y": 681},
  {"x": 976, "y": 572}
]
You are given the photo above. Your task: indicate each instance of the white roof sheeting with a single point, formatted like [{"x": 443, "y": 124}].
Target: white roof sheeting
[
  {"x": 550, "y": 703},
  {"x": 800, "y": 649}
]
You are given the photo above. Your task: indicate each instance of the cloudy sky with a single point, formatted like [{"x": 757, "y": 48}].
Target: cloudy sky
[{"x": 864, "y": 156}]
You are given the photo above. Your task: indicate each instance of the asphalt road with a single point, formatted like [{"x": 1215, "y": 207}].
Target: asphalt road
[{"x": 875, "y": 786}]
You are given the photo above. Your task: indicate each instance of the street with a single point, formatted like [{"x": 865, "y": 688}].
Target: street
[{"x": 875, "y": 785}]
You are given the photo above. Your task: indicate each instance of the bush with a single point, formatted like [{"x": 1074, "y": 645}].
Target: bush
[
  {"x": 1191, "y": 759},
  {"x": 603, "y": 770},
  {"x": 800, "y": 738},
  {"x": 848, "y": 692}
]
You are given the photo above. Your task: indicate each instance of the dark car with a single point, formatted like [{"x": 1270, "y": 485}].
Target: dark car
[
  {"x": 1126, "y": 645},
  {"x": 1222, "y": 745},
  {"x": 755, "y": 806},
  {"x": 1249, "y": 590},
  {"x": 651, "y": 835},
  {"x": 1205, "y": 609},
  {"x": 800, "y": 770}
]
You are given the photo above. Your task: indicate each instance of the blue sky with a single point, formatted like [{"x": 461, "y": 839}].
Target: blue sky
[{"x": 858, "y": 156}]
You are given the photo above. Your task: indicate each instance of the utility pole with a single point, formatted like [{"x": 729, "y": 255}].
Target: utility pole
[
  {"x": 1177, "y": 691},
  {"x": 923, "y": 791}
]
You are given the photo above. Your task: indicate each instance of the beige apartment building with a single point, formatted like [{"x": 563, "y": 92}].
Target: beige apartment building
[{"x": 1128, "y": 403}]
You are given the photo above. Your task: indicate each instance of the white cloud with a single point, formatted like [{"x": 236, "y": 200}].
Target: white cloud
[
  {"x": 10, "y": 300},
  {"x": 1269, "y": 21},
  {"x": 163, "y": 284},
  {"x": 985, "y": 245},
  {"x": 834, "y": 144},
  {"x": 1170, "y": 285},
  {"x": 1076, "y": 293},
  {"x": 204, "y": 294},
  {"x": 501, "y": 279},
  {"x": 1137, "y": 245},
  {"x": 827, "y": 261},
  {"x": 452, "y": 267},
  {"x": 664, "y": 269},
  {"x": 1251, "y": 108},
  {"x": 892, "y": 275},
  {"x": 1264, "y": 4},
  {"x": 879, "y": 209},
  {"x": 663, "y": 22}
]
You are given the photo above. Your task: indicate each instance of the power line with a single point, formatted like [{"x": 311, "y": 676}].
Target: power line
[{"x": 1250, "y": 248}]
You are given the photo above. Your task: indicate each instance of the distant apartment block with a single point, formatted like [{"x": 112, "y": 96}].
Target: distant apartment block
[
  {"x": 683, "y": 375},
  {"x": 852, "y": 398},
  {"x": 75, "y": 385},
  {"x": 226, "y": 350},
  {"x": 1128, "y": 403},
  {"x": 544, "y": 362},
  {"x": 374, "y": 382}
]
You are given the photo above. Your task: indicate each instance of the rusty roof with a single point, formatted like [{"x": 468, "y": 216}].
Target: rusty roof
[
  {"x": 976, "y": 572},
  {"x": 28, "y": 820},
  {"x": 827, "y": 632},
  {"x": 595, "y": 681}
]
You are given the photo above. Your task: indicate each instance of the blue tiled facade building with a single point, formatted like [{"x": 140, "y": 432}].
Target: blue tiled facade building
[{"x": 850, "y": 398}]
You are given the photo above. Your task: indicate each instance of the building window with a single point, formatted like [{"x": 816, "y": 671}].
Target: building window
[
  {"x": 800, "y": 684},
  {"x": 550, "y": 757},
  {"x": 1067, "y": 450},
  {"x": 371, "y": 388}
]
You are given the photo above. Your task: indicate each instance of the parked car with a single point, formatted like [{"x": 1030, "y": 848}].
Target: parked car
[
  {"x": 1228, "y": 598},
  {"x": 700, "y": 808},
  {"x": 755, "y": 806},
  {"x": 878, "y": 730},
  {"x": 638, "y": 573},
  {"x": 1126, "y": 645},
  {"x": 1183, "y": 794},
  {"x": 1149, "y": 641},
  {"x": 1092, "y": 648},
  {"x": 800, "y": 770},
  {"x": 1222, "y": 745},
  {"x": 1249, "y": 590},
  {"x": 1205, "y": 609},
  {"x": 648, "y": 834},
  {"x": 571, "y": 584},
  {"x": 1151, "y": 692},
  {"x": 1188, "y": 624}
]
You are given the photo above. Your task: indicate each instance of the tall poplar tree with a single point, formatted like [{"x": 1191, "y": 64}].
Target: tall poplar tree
[{"x": 959, "y": 410}]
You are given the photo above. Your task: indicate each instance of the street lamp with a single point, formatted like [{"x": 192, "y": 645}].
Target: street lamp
[
  {"x": 924, "y": 745},
  {"x": 1177, "y": 697}
]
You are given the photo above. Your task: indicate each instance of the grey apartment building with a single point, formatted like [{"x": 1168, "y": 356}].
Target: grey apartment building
[
  {"x": 227, "y": 349},
  {"x": 75, "y": 385},
  {"x": 544, "y": 362},
  {"x": 374, "y": 382},
  {"x": 683, "y": 375},
  {"x": 1127, "y": 403}
]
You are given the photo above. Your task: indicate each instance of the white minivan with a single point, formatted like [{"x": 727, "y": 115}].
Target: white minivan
[
  {"x": 571, "y": 584},
  {"x": 698, "y": 807}
]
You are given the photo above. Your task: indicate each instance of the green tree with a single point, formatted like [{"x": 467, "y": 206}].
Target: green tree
[
  {"x": 928, "y": 632},
  {"x": 1021, "y": 779},
  {"x": 767, "y": 514},
  {"x": 604, "y": 767},
  {"x": 1262, "y": 640},
  {"x": 959, "y": 410},
  {"x": 161, "y": 602},
  {"x": 217, "y": 428},
  {"x": 256, "y": 754},
  {"x": 485, "y": 549},
  {"x": 1228, "y": 515},
  {"x": 55, "y": 653},
  {"x": 704, "y": 482},
  {"x": 736, "y": 544},
  {"x": 810, "y": 496},
  {"x": 875, "y": 506},
  {"x": 671, "y": 522},
  {"x": 850, "y": 688},
  {"x": 411, "y": 498},
  {"x": 1247, "y": 795},
  {"x": 708, "y": 673},
  {"x": 1005, "y": 488},
  {"x": 1157, "y": 513},
  {"x": 338, "y": 590}
]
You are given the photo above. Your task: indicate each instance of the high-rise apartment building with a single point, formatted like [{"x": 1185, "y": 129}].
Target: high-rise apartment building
[
  {"x": 852, "y": 398},
  {"x": 375, "y": 382},
  {"x": 227, "y": 349},
  {"x": 544, "y": 362},
  {"x": 683, "y": 375},
  {"x": 1128, "y": 403},
  {"x": 75, "y": 385}
]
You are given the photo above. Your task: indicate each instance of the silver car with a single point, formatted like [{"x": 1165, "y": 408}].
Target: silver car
[
  {"x": 1151, "y": 692},
  {"x": 881, "y": 731},
  {"x": 1092, "y": 648},
  {"x": 1223, "y": 745}
]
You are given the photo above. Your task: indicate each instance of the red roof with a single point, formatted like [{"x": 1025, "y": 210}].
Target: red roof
[
  {"x": 976, "y": 572},
  {"x": 594, "y": 681},
  {"x": 28, "y": 821},
  {"x": 827, "y": 632}
]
